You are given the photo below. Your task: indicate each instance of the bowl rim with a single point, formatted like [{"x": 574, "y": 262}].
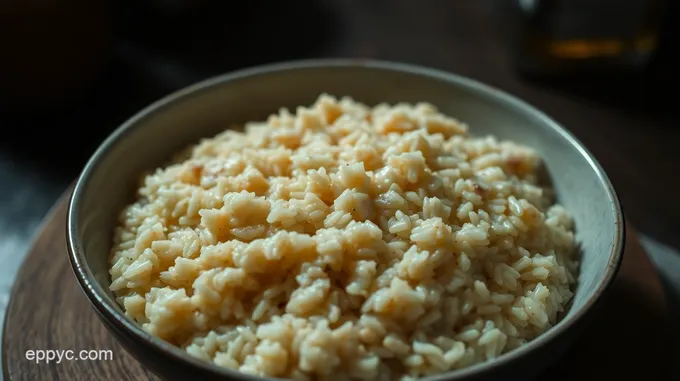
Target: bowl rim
[{"x": 107, "y": 307}]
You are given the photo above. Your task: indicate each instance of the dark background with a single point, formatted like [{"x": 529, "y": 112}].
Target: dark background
[
  {"x": 73, "y": 70},
  {"x": 86, "y": 65}
]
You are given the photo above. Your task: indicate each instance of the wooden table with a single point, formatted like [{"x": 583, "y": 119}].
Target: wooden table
[
  {"x": 48, "y": 311},
  {"x": 636, "y": 147}
]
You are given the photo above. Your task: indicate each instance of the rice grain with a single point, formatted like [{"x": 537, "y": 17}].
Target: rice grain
[{"x": 344, "y": 242}]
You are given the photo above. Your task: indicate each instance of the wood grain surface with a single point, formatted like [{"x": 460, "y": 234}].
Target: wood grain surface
[
  {"x": 628, "y": 338},
  {"x": 634, "y": 142}
]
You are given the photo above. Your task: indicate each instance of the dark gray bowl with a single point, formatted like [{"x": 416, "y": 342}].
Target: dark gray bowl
[{"x": 148, "y": 139}]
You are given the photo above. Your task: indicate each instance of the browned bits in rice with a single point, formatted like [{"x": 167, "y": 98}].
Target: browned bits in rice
[{"x": 344, "y": 242}]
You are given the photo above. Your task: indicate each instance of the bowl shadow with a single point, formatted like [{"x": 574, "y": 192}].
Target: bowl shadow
[{"x": 628, "y": 338}]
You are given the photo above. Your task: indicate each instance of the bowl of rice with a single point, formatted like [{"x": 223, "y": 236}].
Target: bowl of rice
[{"x": 344, "y": 220}]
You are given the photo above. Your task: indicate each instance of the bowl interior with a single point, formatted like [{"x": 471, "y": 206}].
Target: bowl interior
[{"x": 112, "y": 176}]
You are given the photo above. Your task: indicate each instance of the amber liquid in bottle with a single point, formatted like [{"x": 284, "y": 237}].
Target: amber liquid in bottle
[{"x": 575, "y": 36}]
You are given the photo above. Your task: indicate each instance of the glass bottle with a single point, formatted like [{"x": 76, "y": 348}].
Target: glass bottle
[{"x": 560, "y": 37}]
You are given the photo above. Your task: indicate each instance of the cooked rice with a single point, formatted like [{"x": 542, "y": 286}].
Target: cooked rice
[{"x": 346, "y": 243}]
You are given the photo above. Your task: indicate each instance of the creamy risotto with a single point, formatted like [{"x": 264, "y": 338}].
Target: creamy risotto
[{"x": 343, "y": 242}]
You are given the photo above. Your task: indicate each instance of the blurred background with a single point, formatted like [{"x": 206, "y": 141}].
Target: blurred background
[{"x": 73, "y": 70}]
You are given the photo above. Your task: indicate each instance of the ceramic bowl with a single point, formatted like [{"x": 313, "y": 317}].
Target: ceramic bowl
[{"x": 149, "y": 138}]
